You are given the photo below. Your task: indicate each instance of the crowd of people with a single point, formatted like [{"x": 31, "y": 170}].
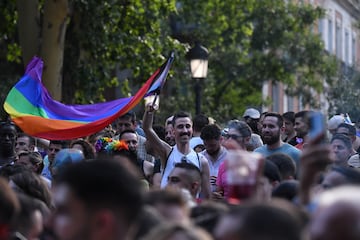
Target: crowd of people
[{"x": 261, "y": 176}]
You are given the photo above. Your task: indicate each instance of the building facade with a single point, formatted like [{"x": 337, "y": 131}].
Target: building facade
[{"x": 341, "y": 37}]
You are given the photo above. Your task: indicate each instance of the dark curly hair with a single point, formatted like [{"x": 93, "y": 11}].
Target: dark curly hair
[{"x": 88, "y": 150}]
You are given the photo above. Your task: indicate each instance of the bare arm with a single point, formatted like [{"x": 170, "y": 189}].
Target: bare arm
[
  {"x": 160, "y": 148},
  {"x": 205, "y": 178},
  {"x": 43, "y": 143},
  {"x": 156, "y": 181},
  {"x": 148, "y": 169}
]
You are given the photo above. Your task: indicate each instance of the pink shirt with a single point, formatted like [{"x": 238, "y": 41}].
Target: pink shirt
[{"x": 221, "y": 179}]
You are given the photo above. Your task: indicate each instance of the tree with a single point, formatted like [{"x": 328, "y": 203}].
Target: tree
[
  {"x": 344, "y": 97},
  {"x": 45, "y": 38},
  {"x": 10, "y": 51},
  {"x": 114, "y": 36},
  {"x": 100, "y": 35},
  {"x": 250, "y": 42}
]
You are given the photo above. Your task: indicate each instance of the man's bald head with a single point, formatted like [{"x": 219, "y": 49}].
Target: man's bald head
[{"x": 337, "y": 215}]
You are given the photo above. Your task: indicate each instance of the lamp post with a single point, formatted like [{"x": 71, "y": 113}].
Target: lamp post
[{"x": 198, "y": 57}]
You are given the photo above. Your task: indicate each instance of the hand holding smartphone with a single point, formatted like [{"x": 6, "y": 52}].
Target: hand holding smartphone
[{"x": 317, "y": 127}]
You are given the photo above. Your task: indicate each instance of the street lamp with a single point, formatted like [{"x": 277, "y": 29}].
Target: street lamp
[{"x": 198, "y": 57}]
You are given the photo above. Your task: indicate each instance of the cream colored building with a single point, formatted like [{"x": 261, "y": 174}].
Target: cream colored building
[{"x": 341, "y": 37}]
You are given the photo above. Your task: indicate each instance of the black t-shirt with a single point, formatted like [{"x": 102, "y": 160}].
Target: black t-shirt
[
  {"x": 292, "y": 141},
  {"x": 157, "y": 166}
]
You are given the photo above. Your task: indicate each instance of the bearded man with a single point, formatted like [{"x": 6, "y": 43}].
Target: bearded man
[{"x": 271, "y": 132}]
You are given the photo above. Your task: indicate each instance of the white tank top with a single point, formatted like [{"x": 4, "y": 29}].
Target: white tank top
[{"x": 175, "y": 157}]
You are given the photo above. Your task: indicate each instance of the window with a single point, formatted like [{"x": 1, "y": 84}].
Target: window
[
  {"x": 300, "y": 105},
  {"x": 338, "y": 41},
  {"x": 353, "y": 50},
  {"x": 330, "y": 36},
  {"x": 320, "y": 27},
  {"x": 347, "y": 48},
  {"x": 275, "y": 97},
  {"x": 290, "y": 103}
]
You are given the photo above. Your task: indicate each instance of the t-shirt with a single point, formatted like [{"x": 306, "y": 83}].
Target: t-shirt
[
  {"x": 157, "y": 166},
  {"x": 46, "y": 173},
  {"x": 286, "y": 148},
  {"x": 292, "y": 141},
  {"x": 255, "y": 141},
  {"x": 215, "y": 165},
  {"x": 300, "y": 146},
  {"x": 221, "y": 179}
]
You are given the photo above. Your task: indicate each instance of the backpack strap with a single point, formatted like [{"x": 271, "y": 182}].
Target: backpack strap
[
  {"x": 198, "y": 158},
  {"x": 167, "y": 158}
]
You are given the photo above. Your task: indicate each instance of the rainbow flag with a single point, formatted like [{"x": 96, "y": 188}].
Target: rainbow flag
[{"x": 31, "y": 107}]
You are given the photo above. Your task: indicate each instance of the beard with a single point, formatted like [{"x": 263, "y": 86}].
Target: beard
[
  {"x": 271, "y": 139},
  {"x": 214, "y": 153},
  {"x": 300, "y": 134}
]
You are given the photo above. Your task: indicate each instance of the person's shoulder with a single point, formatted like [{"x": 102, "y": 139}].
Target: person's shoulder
[
  {"x": 292, "y": 151},
  {"x": 291, "y": 147},
  {"x": 46, "y": 181},
  {"x": 140, "y": 131},
  {"x": 292, "y": 141},
  {"x": 256, "y": 137},
  {"x": 354, "y": 161},
  {"x": 141, "y": 139},
  {"x": 260, "y": 149},
  {"x": 202, "y": 155},
  {"x": 194, "y": 141},
  {"x": 203, "y": 152},
  {"x": 256, "y": 140}
]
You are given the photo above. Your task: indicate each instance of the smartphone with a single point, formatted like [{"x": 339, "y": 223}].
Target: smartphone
[{"x": 317, "y": 125}]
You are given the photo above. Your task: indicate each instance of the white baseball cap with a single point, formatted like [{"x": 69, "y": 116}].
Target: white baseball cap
[
  {"x": 335, "y": 121},
  {"x": 252, "y": 112}
]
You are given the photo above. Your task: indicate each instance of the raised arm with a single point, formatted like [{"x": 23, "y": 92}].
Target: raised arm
[
  {"x": 160, "y": 148},
  {"x": 314, "y": 160},
  {"x": 205, "y": 177}
]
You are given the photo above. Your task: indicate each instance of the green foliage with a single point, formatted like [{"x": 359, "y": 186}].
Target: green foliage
[
  {"x": 109, "y": 35},
  {"x": 250, "y": 41},
  {"x": 344, "y": 97},
  {"x": 10, "y": 58}
]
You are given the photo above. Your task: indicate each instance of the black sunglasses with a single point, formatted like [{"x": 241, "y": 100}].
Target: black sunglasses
[{"x": 233, "y": 136}]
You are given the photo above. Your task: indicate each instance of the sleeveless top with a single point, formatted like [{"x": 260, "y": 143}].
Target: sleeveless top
[{"x": 175, "y": 157}]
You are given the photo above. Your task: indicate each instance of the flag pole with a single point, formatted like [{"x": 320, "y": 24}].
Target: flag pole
[{"x": 154, "y": 101}]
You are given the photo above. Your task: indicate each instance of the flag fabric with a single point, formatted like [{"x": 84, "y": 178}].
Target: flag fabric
[
  {"x": 160, "y": 79},
  {"x": 348, "y": 119},
  {"x": 31, "y": 107}
]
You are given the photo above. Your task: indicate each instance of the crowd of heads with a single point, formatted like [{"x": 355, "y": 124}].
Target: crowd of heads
[{"x": 260, "y": 176}]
